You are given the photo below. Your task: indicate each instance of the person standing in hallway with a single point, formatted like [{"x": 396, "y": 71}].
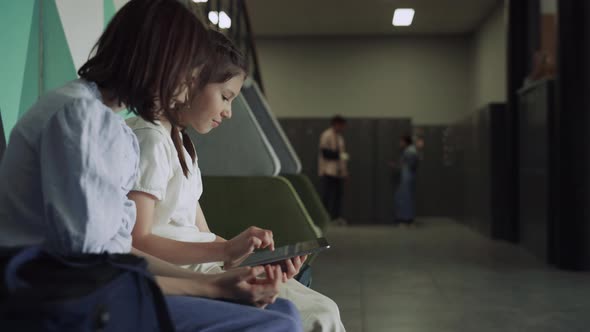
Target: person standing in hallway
[
  {"x": 405, "y": 192},
  {"x": 332, "y": 167}
]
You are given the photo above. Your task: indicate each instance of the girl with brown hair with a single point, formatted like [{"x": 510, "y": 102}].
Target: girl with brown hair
[{"x": 170, "y": 222}]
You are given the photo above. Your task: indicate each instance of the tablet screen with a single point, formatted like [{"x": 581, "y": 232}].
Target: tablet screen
[{"x": 282, "y": 253}]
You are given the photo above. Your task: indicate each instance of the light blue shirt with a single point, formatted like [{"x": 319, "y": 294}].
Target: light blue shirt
[{"x": 65, "y": 175}]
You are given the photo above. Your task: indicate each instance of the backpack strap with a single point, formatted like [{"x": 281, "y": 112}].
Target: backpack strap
[{"x": 11, "y": 278}]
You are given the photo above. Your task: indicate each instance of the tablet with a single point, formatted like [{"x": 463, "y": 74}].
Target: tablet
[{"x": 282, "y": 253}]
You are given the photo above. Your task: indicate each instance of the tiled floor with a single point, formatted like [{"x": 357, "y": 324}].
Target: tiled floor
[{"x": 442, "y": 277}]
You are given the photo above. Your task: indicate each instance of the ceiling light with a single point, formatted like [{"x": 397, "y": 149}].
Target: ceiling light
[
  {"x": 402, "y": 17},
  {"x": 213, "y": 17},
  {"x": 220, "y": 19},
  {"x": 200, "y": 1},
  {"x": 224, "y": 20}
]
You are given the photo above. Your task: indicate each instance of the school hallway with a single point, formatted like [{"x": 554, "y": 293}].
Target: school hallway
[{"x": 443, "y": 276}]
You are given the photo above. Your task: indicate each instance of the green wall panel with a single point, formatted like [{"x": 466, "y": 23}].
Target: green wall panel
[
  {"x": 30, "y": 87},
  {"x": 109, "y": 11},
  {"x": 58, "y": 63},
  {"x": 15, "y": 28}
]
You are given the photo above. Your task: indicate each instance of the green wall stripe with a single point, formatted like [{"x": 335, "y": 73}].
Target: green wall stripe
[
  {"x": 109, "y": 11},
  {"x": 58, "y": 65},
  {"x": 30, "y": 87},
  {"x": 15, "y": 27}
]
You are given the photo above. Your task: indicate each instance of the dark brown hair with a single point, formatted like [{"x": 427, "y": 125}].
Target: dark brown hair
[
  {"x": 407, "y": 139},
  {"x": 338, "y": 120},
  {"x": 146, "y": 53},
  {"x": 225, "y": 62}
]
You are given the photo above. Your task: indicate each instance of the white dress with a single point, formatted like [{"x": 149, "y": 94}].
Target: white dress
[{"x": 161, "y": 176}]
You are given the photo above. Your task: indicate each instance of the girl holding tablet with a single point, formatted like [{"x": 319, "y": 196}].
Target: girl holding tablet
[{"x": 170, "y": 223}]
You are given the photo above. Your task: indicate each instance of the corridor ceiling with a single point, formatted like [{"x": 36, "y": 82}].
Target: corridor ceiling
[{"x": 276, "y": 18}]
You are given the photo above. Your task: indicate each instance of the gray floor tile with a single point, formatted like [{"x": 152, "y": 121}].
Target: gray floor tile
[{"x": 443, "y": 277}]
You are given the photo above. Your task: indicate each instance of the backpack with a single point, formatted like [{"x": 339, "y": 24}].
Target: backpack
[{"x": 43, "y": 291}]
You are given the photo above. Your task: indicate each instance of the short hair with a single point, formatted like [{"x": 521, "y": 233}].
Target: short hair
[
  {"x": 146, "y": 52},
  {"x": 407, "y": 139},
  {"x": 338, "y": 119}
]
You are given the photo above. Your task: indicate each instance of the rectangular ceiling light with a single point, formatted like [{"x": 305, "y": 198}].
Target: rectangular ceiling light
[{"x": 402, "y": 17}]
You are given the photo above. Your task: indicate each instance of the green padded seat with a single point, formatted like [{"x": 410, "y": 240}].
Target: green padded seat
[
  {"x": 233, "y": 203},
  {"x": 310, "y": 198}
]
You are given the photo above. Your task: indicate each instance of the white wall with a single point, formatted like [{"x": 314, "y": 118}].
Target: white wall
[
  {"x": 489, "y": 60},
  {"x": 427, "y": 79},
  {"x": 82, "y": 22}
]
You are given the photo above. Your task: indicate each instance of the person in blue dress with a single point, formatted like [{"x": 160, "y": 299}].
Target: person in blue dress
[
  {"x": 71, "y": 161},
  {"x": 405, "y": 205}
]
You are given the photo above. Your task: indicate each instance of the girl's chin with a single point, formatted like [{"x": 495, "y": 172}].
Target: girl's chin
[{"x": 203, "y": 130}]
